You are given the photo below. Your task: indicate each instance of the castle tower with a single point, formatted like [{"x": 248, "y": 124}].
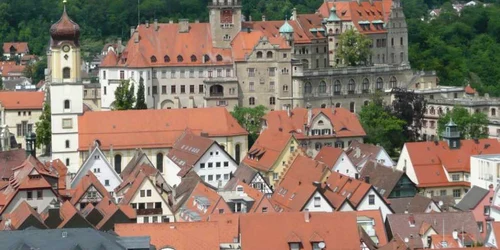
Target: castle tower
[
  {"x": 66, "y": 90},
  {"x": 225, "y": 21},
  {"x": 286, "y": 30},
  {"x": 397, "y": 35},
  {"x": 451, "y": 135},
  {"x": 333, "y": 26}
]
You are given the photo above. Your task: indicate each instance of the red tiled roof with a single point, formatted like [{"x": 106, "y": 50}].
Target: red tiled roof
[
  {"x": 164, "y": 126},
  {"x": 21, "y": 47},
  {"x": 9, "y": 69},
  {"x": 329, "y": 155},
  {"x": 136, "y": 184},
  {"x": 89, "y": 180},
  {"x": 109, "y": 60},
  {"x": 269, "y": 146},
  {"x": 228, "y": 225},
  {"x": 216, "y": 202},
  {"x": 260, "y": 200},
  {"x": 168, "y": 41},
  {"x": 19, "y": 216},
  {"x": 359, "y": 152},
  {"x": 67, "y": 212},
  {"x": 244, "y": 42},
  {"x": 62, "y": 172},
  {"x": 188, "y": 149},
  {"x": 273, "y": 230},
  {"x": 271, "y": 29},
  {"x": 22, "y": 99},
  {"x": 9, "y": 160},
  {"x": 469, "y": 90},
  {"x": 345, "y": 123}
]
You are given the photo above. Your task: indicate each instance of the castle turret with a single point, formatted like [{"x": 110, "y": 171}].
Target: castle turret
[{"x": 451, "y": 135}]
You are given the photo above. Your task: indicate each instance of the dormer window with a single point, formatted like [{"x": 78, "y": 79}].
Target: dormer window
[
  {"x": 259, "y": 54},
  {"x": 193, "y": 58},
  {"x": 219, "y": 58},
  {"x": 166, "y": 59},
  {"x": 206, "y": 58},
  {"x": 239, "y": 189},
  {"x": 153, "y": 59},
  {"x": 179, "y": 58},
  {"x": 320, "y": 122}
]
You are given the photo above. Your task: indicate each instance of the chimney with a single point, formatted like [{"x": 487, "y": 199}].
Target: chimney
[
  {"x": 197, "y": 20},
  {"x": 263, "y": 18},
  {"x": 455, "y": 234},
  {"x": 183, "y": 25},
  {"x": 294, "y": 14},
  {"x": 147, "y": 23},
  {"x": 156, "y": 24},
  {"x": 136, "y": 36},
  {"x": 132, "y": 30},
  {"x": 307, "y": 216},
  {"x": 171, "y": 21}
]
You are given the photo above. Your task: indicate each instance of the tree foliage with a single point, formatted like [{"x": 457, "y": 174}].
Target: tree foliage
[
  {"x": 409, "y": 107},
  {"x": 354, "y": 48},
  {"x": 469, "y": 125},
  {"x": 381, "y": 126},
  {"x": 250, "y": 119},
  {"x": 141, "y": 102},
  {"x": 124, "y": 96},
  {"x": 44, "y": 130}
]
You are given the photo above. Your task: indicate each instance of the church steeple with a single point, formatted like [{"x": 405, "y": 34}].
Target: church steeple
[{"x": 65, "y": 30}]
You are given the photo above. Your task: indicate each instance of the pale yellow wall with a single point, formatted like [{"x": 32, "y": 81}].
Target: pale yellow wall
[
  {"x": 278, "y": 166},
  {"x": 12, "y": 118}
]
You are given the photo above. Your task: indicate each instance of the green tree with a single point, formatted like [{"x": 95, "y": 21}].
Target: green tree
[
  {"x": 141, "y": 103},
  {"x": 43, "y": 129},
  {"x": 1, "y": 83},
  {"x": 29, "y": 71},
  {"x": 354, "y": 48},
  {"x": 39, "y": 70},
  {"x": 469, "y": 125},
  {"x": 409, "y": 107},
  {"x": 124, "y": 96},
  {"x": 250, "y": 119},
  {"x": 381, "y": 126}
]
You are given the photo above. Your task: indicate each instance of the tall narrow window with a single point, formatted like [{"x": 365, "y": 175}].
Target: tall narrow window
[
  {"x": 67, "y": 104},
  {"x": 237, "y": 153},
  {"x": 66, "y": 73},
  {"x": 159, "y": 162},
  {"x": 118, "y": 163},
  {"x": 67, "y": 143},
  {"x": 272, "y": 100}
]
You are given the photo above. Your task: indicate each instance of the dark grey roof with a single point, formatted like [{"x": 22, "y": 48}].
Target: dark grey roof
[
  {"x": 64, "y": 239},
  {"x": 416, "y": 204},
  {"x": 383, "y": 178},
  {"x": 445, "y": 202},
  {"x": 472, "y": 198}
]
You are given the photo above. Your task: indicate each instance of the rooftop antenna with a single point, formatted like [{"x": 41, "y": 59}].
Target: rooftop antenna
[{"x": 138, "y": 13}]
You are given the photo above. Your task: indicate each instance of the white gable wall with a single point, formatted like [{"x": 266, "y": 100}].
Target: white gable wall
[
  {"x": 384, "y": 158},
  {"x": 378, "y": 204},
  {"x": 432, "y": 208},
  {"x": 312, "y": 206},
  {"x": 215, "y": 155},
  {"x": 346, "y": 207},
  {"x": 404, "y": 160},
  {"x": 345, "y": 166},
  {"x": 40, "y": 204},
  {"x": 170, "y": 173},
  {"x": 155, "y": 197}
]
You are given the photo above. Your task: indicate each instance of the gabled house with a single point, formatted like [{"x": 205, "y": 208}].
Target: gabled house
[
  {"x": 242, "y": 198},
  {"x": 202, "y": 202},
  {"x": 479, "y": 201},
  {"x": 443, "y": 167},
  {"x": 493, "y": 236},
  {"x": 65, "y": 216},
  {"x": 15, "y": 49},
  {"x": 336, "y": 159},
  {"x": 271, "y": 153},
  {"x": 88, "y": 190},
  {"x": 416, "y": 204},
  {"x": 146, "y": 191},
  {"x": 417, "y": 229},
  {"x": 250, "y": 176},
  {"x": 92, "y": 214},
  {"x": 389, "y": 182},
  {"x": 362, "y": 153},
  {"x": 202, "y": 155},
  {"x": 24, "y": 216},
  {"x": 138, "y": 159},
  {"x": 98, "y": 164},
  {"x": 113, "y": 214}
]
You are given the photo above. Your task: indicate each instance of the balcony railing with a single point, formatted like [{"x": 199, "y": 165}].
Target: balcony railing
[
  {"x": 149, "y": 211},
  {"x": 451, "y": 134},
  {"x": 216, "y": 94}
]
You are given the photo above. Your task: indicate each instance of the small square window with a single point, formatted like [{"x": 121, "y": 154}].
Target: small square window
[
  {"x": 29, "y": 195},
  {"x": 202, "y": 165},
  {"x": 149, "y": 192},
  {"x": 106, "y": 183},
  {"x": 210, "y": 165},
  {"x": 226, "y": 164},
  {"x": 143, "y": 193},
  {"x": 217, "y": 164}
]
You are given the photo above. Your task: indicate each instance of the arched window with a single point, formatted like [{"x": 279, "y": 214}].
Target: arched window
[
  {"x": 285, "y": 88},
  {"x": 318, "y": 146},
  {"x": 337, "y": 87},
  {"x": 432, "y": 111},
  {"x": 308, "y": 88},
  {"x": 206, "y": 58},
  {"x": 179, "y": 58},
  {"x": 393, "y": 82},
  {"x": 338, "y": 105},
  {"x": 380, "y": 83},
  {"x": 272, "y": 100},
  {"x": 67, "y": 143},
  {"x": 193, "y": 58},
  {"x": 118, "y": 163},
  {"x": 320, "y": 122},
  {"x": 259, "y": 54},
  {"x": 218, "y": 58},
  {"x": 166, "y": 59},
  {"x": 305, "y": 63},
  {"x": 159, "y": 162},
  {"x": 351, "y": 87},
  {"x": 237, "y": 150},
  {"x": 67, "y": 104},
  {"x": 153, "y": 59},
  {"x": 269, "y": 54},
  {"x": 66, "y": 73},
  {"x": 251, "y": 101},
  {"x": 366, "y": 85},
  {"x": 322, "y": 87},
  {"x": 216, "y": 90}
]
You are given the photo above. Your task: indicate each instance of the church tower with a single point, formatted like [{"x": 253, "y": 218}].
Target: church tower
[
  {"x": 66, "y": 90},
  {"x": 225, "y": 21}
]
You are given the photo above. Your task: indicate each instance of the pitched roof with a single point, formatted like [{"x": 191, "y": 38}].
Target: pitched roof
[
  {"x": 140, "y": 158},
  {"x": 180, "y": 235},
  {"x": 360, "y": 152},
  {"x": 381, "y": 177},
  {"x": 68, "y": 212},
  {"x": 395, "y": 244},
  {"x": 20, "y": 47},
  {"x": 329, "y": 155},
  {"x": 267, "y": 149},
  {"x": 166, "y": 40},
  {"x": 352, "y": 189},
  {"x": 345, "y": 123},
  {"x": 188, "y": 150},
  {"x": 9, "y": 160},
  {"x": 229, "y": 226},
  {"x": 165, "y": 126},
  {"x": 400, "y": 224},
  {"x": 202, "y": 196},
  {"x": 444, "y": 202},
  {"x": 109, "y": 209},
  {"x": 274, "y": 229},
  {"x": 62, "y": 172},
  {"x": 469, "y": 90},
  {"x": 416, "y": 204},
  {"x": 12, "y": 69},
  {"x": 89, "y": 180},
  {"x": 243, "y": 173},
  {"x": 271, "y": 29},
  {"x": 17, "y": 218},
  {"x": 472, "y": 198},
  {"x": 22, "y": 99},
  {"x": 257, "y": 197},
  {"x": 245, "y": 42},
  {"x": 378, "y": 224}
]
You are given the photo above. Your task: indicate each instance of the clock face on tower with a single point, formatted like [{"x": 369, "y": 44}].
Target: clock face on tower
[{"x": 65, "y": 48}]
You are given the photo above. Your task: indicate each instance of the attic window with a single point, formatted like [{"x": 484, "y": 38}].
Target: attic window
[
  {"x": 206, "y": 58},
  {"x": 179, "y": 58},
  {"x": 239, "y": 189},
  {"x": 193, "y": 58},
  {"x": 343, "y": 12},
  {"x": 153, "y": 59},
  {"x": 219, "y": 58},
  {"x": 166, "y": 59}
]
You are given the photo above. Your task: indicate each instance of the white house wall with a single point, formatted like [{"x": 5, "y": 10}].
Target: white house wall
[
  {"x": 155, "y": 197},
  {"x": 39, "y": 204},
  {"x": 170, "y": 173},
  {"x": 384, "y": 158},
  {"x": 215, "y": 155},
  {"x": 404, "y": 158},
  {"x": 323, "y": 207},
  {"x": 345, "y": 166},
  {"x": 100, "y": 168},
  {"x": 379, "y": 204}
]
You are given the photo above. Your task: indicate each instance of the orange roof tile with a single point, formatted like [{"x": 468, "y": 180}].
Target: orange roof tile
[
  {"x": 269, "y": 146},
  {"x": 469, "y": 90},
  {"x": 180, "y": 235},
  {"x": 168, "y": 41},
  {"x": 136, "y": 184},
  {"x": 244, "y": 43},
  {"x": 260, "y": 200},
  {"x": 23, "y": 212},
  {"x": 20, "y": 47},
  {"x": 22, "y": 99},
  {"x": 228, "y": 225},
  {"x": 203, "y": 194},
  {"x": 329, "y": 155},
  {"x": 273, "y": 230},
  {"x": 12, "y": 70},
  {"x": 188, "y": 149},
  {"x": 62, "y": 172},
  {"x": 164, "y": 127},
  {"x": 89, "y": 180},
  {"x": 67, "y": 212},
  {"x": 271, "y": 29},
  {"x": 109, "y": 60}
]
